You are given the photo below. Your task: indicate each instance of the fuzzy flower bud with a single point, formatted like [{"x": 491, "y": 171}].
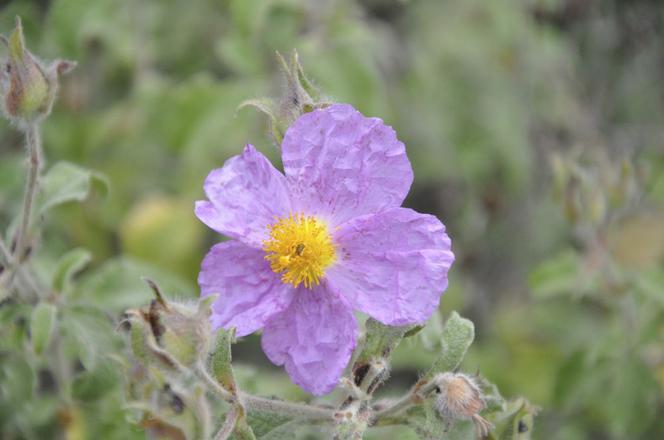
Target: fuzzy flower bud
[
  {"x": 28, "y": 87},
  {"x": 180, "y": 330},
  {"x": 458, "y": 397}
]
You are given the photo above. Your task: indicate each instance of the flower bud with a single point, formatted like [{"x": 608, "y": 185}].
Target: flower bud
[
  {"x": 180, "y": 330},
  {"x": 300, "y": 96},
  {"x": 28, "y": 88},
  {"x": 458, "y": 397}
]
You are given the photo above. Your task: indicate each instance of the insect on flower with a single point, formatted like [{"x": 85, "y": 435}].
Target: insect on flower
[{"x": 323, "y": 239}]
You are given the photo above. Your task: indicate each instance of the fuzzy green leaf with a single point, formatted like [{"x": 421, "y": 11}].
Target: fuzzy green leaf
[
  {"x": 380, "y": 340},
  {"x": 68, "y": 266},
  {"x": 220, "y": 359},
  {"x": 271, "y": 426},
  {"x": 42, "y": 323},
  {"x": 66, "y": 182},
  {"x": 556, "y": 276},
  {"x": 458, "y": 334}
]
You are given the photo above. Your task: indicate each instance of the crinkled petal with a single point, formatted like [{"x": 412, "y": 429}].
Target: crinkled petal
[
  {"x": 249, "y": 292},
  {"x": 245, "y": 196},
  {"x": 341, "y": 164},
  {"x": 313, "y": 338},
  {"x": 392, "y": 265}
]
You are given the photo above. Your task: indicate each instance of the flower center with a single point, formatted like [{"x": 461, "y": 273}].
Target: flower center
[{"x": 300, "y": 248}]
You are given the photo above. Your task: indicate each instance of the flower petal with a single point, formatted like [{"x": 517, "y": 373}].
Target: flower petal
[
  {"x": 313, "y": 338},
  {"x": 246, "y": 195},
  {"x": 392, "y": 265},
  {"x": 249, "y": 292},
  {"x": 341, "y": 164}
]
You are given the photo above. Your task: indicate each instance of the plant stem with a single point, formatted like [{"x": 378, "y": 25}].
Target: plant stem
[
  {"x": 4, "y": 252},
  {"x": 296, "y": 410},
  {"x": 213, "y": 385},
  {"x": 414, "y": 397},
  {"x": 228, "y": 426},
  {"x": 25, "y": 281},
  {"x": 261, "y": 404},
  {"x": 33, "y": 141}
]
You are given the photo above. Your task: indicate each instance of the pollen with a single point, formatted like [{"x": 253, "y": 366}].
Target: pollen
[{"x": 300, "y": 248}]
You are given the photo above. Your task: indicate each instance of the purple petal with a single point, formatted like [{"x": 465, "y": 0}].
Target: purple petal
[
  {"x": 246, "y": 195},
  {"x": 341, "y": 164},
  {"x": 249, "y": 292},
  {"x": 392, "y": 265},
  {"x": 313, "y": 338}
]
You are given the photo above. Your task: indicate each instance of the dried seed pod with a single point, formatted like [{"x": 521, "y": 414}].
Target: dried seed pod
[{"x": 458, "y": 397}]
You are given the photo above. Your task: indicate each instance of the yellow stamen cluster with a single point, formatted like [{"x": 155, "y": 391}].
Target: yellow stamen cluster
[{"x": 300, "y": 248}]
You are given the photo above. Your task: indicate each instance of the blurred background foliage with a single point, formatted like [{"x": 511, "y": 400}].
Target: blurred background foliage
[{"x": 535, "y": 129}]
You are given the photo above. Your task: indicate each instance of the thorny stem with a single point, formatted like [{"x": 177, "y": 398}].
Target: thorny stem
[{"x": 33, "y": 141}]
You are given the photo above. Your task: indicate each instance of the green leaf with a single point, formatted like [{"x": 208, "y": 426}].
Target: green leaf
[
  {"x": 68, "y": 266},
  {"x": 516, "y": 422},
  {"x": 137, "y": 340},
  {"x": 89, "y": 334},
  {"x": 631, "y": 399},
  {"x": 42, "y": 323},
  {"x": 556, "y": 276},
  {"x": 649, "y": 285},
  {"x": 380, "y": 340},
  {"x": 220, "y": 359},
  {"x": 458, "y": 334},
  {"x": 18, "y": 381},
  {"x": 428, "y": 425},
  {"x": 266, "y": 424},
  {"x": 93, "y": 385},
  {"x": 118, "y": 284},
  {"x": 66, "y": 182},
  {"x": 243, "y": 431}
]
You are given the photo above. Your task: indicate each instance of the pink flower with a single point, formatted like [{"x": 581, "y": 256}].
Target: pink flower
[{"x": 327, "y": 238}]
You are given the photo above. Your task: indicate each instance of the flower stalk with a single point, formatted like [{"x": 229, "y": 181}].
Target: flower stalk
[{"x": 33, "y": 143}]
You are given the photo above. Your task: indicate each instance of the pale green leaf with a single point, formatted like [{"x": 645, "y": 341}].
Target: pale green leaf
[
  {"x": 66, "y": 182},
  {"x": 42, "y": 323},
  {"x": 458, "y": 334},
  {"x": 68, "y": 266}
]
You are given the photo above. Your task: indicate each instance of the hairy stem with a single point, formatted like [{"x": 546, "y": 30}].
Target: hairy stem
[
  {"x": 228, "y": 426},
  {"x": 412, "y": 398},
  {"x": 296, "y": 410},
  {"x": 33, "y": 141},
  {"x": 202, "y": 374},
  {"x": 261, "y": 404},
  {"x": 25, "y": 283},
  {"x": 4, "y": 253}
]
